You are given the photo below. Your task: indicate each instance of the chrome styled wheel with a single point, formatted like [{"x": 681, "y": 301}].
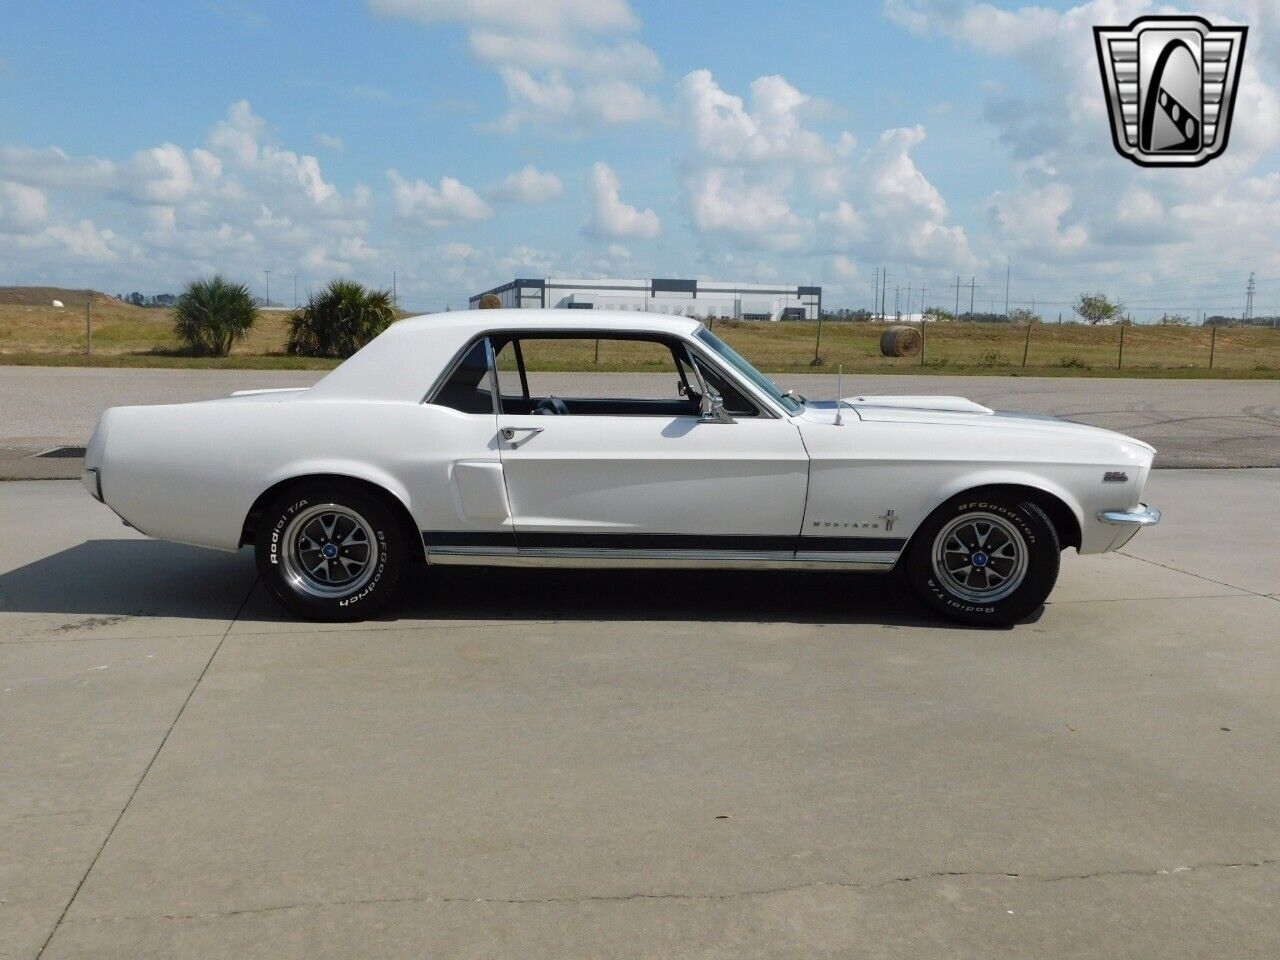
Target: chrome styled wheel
[
  {"x": 980, "y": 557},
  {"x": 328, "y": 550}
]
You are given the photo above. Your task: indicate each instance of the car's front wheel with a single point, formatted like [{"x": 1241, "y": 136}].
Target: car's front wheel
[
  {"x": 330, "y": 550},
  {"x": 987, "y": 559}
]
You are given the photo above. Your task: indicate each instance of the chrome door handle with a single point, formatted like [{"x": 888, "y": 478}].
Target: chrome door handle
[{"x": 509, "y": 433}]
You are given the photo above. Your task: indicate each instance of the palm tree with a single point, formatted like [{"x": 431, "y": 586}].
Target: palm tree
[
  {"x": 339, "y": 320},
  {"x": 213, "y": 314}
]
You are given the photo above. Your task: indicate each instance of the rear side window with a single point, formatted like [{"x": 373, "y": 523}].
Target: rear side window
[{"x": 468, "y": 389}]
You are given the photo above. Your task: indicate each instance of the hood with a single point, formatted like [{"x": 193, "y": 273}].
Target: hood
[{"x": 959, "y": 412}]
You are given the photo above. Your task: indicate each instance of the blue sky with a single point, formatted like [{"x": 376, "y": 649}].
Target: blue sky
[{"x": 461, "y": 144}]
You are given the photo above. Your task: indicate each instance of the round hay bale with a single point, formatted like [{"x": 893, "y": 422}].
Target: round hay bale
[
  {"x": 490, "y": 301},
  {"x": 901, "y": 342}
]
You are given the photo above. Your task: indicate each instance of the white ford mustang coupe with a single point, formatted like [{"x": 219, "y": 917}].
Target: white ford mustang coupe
[{"x": 437, "y": 441}]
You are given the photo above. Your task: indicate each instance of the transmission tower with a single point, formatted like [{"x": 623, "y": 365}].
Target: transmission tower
[{"x": 1250, "y": 289}]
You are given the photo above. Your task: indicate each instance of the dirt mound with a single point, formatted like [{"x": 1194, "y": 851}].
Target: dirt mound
[{"x": 44, "y": 296}]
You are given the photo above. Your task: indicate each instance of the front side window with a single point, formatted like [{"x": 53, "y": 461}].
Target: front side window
[
  {"x": 744, "y": 368},
  {"x": 468, "y": 389},
  {"x": 585, "y": 375}
]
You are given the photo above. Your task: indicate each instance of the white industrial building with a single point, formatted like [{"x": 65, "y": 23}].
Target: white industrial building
[{"x": 689, "y": 298}]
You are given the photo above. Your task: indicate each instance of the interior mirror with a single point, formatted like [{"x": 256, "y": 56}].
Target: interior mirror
[{"x": 713, "y": 410}]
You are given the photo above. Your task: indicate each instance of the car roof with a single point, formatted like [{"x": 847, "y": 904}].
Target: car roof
[
  {"x": 508, "y": 319},
  {"x": 404, "y": 361}
]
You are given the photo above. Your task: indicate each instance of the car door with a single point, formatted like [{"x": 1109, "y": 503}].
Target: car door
[
  {"x": 455, "y": 477},
  {"x": 616, "y": 475}
]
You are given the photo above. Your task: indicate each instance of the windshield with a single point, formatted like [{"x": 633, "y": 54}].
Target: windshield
[{"x": 740, "y": 363}]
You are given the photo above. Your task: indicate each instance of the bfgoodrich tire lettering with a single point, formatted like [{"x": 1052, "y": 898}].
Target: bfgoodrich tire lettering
[
  {"x": 331, "y": 550},
  {"x": 985, "y": 559}
]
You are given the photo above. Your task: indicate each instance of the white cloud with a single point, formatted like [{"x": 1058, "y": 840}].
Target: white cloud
[
  {"x": 52, "y": 167},
  {"x": 771, "y": 129},
  {"x": 450, "y": 202},
  {"x": 528, "y": 185},
  {"x": 567, "y": 65},
  {"x": 330, "y": 141},
  {"x": 760, "y": 178},
  {"x": 22, "y": 207},
  {"x": 1033, "y": 218},
  {"x": 755, "y": 214},
  {"x": 610, "y": 216},
  {"x": 163, "y": 174},
  {"x": 84, "y": 240}
]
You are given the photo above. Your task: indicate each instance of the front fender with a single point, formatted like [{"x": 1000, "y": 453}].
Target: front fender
[{"x": 1004, "y": 476}]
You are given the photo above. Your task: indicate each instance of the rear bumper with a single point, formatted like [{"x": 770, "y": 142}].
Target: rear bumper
[{"x": 1141, "y": 516}]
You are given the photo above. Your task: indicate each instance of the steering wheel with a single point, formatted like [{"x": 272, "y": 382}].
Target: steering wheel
[{"x": 551, "y": 406}]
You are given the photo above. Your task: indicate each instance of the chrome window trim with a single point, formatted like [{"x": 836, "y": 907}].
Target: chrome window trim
[
  {"x": 767, "y": 408},
  {"x": 779, "y": 411}
]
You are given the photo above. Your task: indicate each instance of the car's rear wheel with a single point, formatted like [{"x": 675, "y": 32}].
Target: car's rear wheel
[
  {"x": 988, "y": 559},
  {"x": 330, "y": 550}
]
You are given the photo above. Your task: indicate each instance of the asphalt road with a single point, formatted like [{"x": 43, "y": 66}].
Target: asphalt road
[
  {"x": 1192, "y": 423},
  {"x": 640, "y": 765}
]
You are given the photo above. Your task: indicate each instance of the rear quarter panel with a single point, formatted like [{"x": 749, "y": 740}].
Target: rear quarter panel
[{"x": 191, "y": 472}]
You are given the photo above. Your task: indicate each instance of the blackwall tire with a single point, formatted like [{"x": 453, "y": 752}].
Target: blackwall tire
[
  {"x": 985, "y": 559},
  {"x": 331, "y": 551}
]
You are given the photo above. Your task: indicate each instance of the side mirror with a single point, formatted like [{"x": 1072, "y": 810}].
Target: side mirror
[{"x": 713, "y": 410}]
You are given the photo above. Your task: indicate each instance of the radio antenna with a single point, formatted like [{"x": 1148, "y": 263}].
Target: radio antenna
[{"x": 839, "y": 403}]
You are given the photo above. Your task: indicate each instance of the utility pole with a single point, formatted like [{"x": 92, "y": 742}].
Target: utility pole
[
  {"x": 957, "y": 313},
  {"x": 1250, "y": 289},
  {"x": 897, "y": 302},
  {"x": 884, "y": 291},
  {"x": 266, "y": 300},
  {"x": 922, "y": 290},
  {"x": 973, "y": 285},
  {"x": 1008, "y": 274},
  {"x": 875, "y": 287},
  {"x": 908, "y": 301}
]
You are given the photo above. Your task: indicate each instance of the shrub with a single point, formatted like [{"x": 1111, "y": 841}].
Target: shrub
[
  {"x": 1095, "y": 308},
  {"x": 339, "y": 320},
  {"x": 213, "y": 314}
]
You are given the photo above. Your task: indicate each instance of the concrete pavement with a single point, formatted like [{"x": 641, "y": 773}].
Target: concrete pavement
[{"x": 565, "y": 764}]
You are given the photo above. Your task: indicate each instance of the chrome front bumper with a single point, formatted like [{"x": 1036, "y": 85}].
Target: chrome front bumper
[{"x": 1140, "y": 516}]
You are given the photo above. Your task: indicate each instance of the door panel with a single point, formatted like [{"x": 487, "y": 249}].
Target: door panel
[{"x": 660, "y": 483}]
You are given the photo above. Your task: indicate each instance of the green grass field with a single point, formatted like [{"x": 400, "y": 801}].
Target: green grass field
[{"x": 34, "y": 333}]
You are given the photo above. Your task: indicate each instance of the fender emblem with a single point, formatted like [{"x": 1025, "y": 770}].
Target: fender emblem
[
  {"x": 889, "y": 518},
  {"x": 1115, "y": 476}
]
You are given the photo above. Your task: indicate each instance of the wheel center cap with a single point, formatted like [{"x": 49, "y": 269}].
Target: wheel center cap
[
  {"x": 979, "y": 559},
  {"x": 330, "y": 550}
]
